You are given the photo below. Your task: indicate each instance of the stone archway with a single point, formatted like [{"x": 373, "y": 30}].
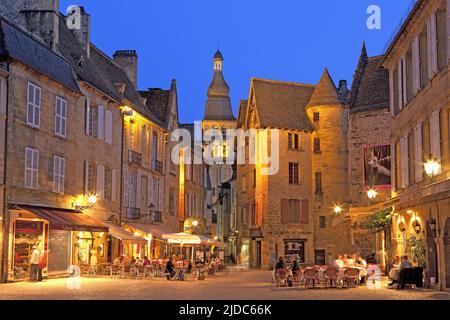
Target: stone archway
[{"x": 447, "y": 252}]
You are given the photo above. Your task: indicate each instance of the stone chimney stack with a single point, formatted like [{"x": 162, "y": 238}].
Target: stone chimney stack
[
  {"x": 343, "y": 90},
  {"x": 82, "y": 31},
  {"x": 128, "y": 61},
  {"x": 41, "y": 18}
]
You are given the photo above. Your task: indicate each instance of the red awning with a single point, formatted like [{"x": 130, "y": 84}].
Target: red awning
[{"x": 65, "y": 219}]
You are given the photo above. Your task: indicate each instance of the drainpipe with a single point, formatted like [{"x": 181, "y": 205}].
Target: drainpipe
[{"x": 5, "y": 220}]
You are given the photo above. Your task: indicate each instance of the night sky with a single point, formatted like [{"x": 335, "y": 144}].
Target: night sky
[{"x": 292, "y": 40}]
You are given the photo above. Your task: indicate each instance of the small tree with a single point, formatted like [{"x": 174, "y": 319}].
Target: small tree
[
  {"x": 378, "y": 221},
  {"x": 417, "y": 248}
]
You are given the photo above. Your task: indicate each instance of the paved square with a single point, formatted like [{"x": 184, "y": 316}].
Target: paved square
[{"x": 228, "y": 285}]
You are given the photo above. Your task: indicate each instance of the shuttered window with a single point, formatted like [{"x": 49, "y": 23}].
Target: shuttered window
[
  {"x": 60, "y": 117},
  {"x": 409, "y": 75},
  {"x": 58, "y": 174},
  {"x": 108, "y": 184},
  {"x": 34, "y": 105},
  {"x": 441, "y": 31},
  {"x": 108, "y": 127},
  {"x": 100, "y": 122},
  {"x": 294, "y": 211},
  {"x": 423, "y": 59},
  {"x": 319, "y": 188},
  {"x": 100, "y": 182},
  {"x": 293, "y": 173},
  {"x": 418, "y": 153},
  {"x": 31, "y": 168},
  {"x": 396, "y": 91}
]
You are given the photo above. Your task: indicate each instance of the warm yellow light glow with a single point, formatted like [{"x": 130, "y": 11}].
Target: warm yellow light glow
[
  {"x": 432, "y": 168},
  {"x": 409, "y": 212},
  {"x": 92, "y": 199},
  {"x": 372, "y": 193},
  {"x": 337, "y": 209},
  {"x": 215, "y": 238},
  {"x": 195, "y": 223},
  {"x": 127, "y": 111}
]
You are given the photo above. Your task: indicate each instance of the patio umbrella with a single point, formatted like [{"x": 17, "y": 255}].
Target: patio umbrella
[{"x": 182, "y": 238}]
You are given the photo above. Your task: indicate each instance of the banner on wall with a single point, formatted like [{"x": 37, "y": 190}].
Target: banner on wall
[{"x": 377, "y": 166}]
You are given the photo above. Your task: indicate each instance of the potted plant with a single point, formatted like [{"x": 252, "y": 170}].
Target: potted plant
[{"x": 417, "y": 249}]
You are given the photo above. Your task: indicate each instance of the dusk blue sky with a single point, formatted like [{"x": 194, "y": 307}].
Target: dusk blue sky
[{"x": 291, "y": 40}]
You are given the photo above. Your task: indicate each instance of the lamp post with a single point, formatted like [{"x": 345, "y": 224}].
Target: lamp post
[{"x": 432, "y": 168}]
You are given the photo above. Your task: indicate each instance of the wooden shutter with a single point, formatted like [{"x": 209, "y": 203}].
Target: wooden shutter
[
  {"x": 284, "y": 211},
  {"x": 416, "y": 65},
  {"x": 418, "y": 153},
  {"x": 126, "y": 187},
  {"x": 88, "y": 110},
  {"x": 404, "y": 161},
  {"x": 432, "y": 52},
  {"x": 113, "y": 185},
  {"x": 305, "y": 212},
  {"x": 100, "y": 181},
  {"x": 394, "y": 166},
  {"x": 86, "y": 177},
  {"x": 100, "y": 122},
  {"x": 391, "y": 92},
  {"x": 435, "y": 135},
  {"x": 161, "y": 195},
  {"x": 138, "y": 190},
  {"x": 400, "y": 86},
  {"x": 404, "y": 82},
  {"x": 448, "y": 29},
  {"x": 108, "y": 127}
]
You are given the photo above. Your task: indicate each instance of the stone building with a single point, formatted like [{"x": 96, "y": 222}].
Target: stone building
[
  {"x": 417, "y": 60},
  {"x": 217, "y": 119},
  {"x": 290, "y": 213},
  {"x": 369, "y": 135}
]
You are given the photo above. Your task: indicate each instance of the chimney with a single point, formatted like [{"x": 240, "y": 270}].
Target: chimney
[
  {"x": 127, "y": 60},
  {"x": 41, "y": 18},
  {"x": 82, "y": 28},
  {"x": 343, "y": 89}
]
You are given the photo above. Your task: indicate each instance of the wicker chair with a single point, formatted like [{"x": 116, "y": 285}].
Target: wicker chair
[
  {"x": 311, "y": 276},
  {"x": 298, "y": 277},
  {"x": 282, "y": 278},
  {"x": 351, "y": 278},
  {"x": 331, "y": 276}
]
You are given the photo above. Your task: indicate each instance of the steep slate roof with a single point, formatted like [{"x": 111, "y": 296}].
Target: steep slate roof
[
  {"x": 100, "y": 71},
  {"x": 282, "y": 104},
  {"x": 370, "y": 87},
  {"x": 158, "y": 103},
  {"x": 325, "y": 93},
  {"x": 16, "y": 44},
  {"x": 241, "y": 113}
]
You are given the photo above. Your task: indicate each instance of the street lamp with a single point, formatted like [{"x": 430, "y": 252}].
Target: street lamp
[
  {"x": 432, "y": 168},
  {"x": 372, "y": 193},
  {"x": 338, "y": 209},
  {"x": 194, "y": 223}
]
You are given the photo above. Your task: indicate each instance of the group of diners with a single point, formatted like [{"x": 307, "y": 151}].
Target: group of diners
[{"x": 344, "y": 271}]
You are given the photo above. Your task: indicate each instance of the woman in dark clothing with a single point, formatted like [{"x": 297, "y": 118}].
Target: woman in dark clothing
[{"x": 170, "y": 269}]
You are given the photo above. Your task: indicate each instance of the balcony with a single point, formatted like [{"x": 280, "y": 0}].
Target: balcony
[
  {"x": 134, "y": 158},
  {"x": 156, "y": 217},
  {"x": 133, "y": 213},
  {"x": 157, "y": 166}
]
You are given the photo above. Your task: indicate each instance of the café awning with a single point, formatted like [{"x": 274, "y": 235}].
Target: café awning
[
  {"x": 155, "y": 230},
  {"x": 206, "y": 241},
  {"x": 182, "y": 238},
  {"x": 66, "y": 219},
  {"x": 122, "y": 234}
]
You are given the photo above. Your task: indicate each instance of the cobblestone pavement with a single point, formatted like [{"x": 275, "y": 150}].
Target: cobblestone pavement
[{"x": 228, "y": 285}]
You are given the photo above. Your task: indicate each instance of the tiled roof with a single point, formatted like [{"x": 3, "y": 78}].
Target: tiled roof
[
  {"x": 282, "y": 104},
  {"x": 157, "y": 102},
  {"x": 370, "y": 88},
  {"x": 241, "y": 113},
  {"x": 100, "y": 71},
  {"x": 16, "y": 44},
  {"x": 325, "y": 93}
]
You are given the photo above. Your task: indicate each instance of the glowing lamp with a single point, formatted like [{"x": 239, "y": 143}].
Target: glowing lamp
[
  {"x": 92, "y": 199},
  {"x": 195, "y": 223},
  {"x": 337, "y": 209},
  {"x": 432, "y": 168},
  {"x": 372, "y": 193}
]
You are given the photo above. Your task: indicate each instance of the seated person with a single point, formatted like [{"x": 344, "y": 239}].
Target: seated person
[
  {"x": 170, "y": 269},
  {"x": 405, "y": 265},
  {"x": 295, "y": 268},
  {"x": 393, "y": 272},
  {"x": 360, "y": 262},
  {"x": 279, "y": 265},
  {"x": 132, "y": 261},
  {"x": 338, "y": 263},
  {"x": 146, "y": 262}
]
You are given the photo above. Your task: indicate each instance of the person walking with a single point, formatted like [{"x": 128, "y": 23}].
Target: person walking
[{"x": 34, "y": 264}]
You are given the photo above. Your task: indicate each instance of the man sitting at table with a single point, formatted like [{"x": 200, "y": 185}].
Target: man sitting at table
[
  {"x": 338, "y": 263},
  {"x": 170, "y": 269},
  {"x": 360, "y": 262}
]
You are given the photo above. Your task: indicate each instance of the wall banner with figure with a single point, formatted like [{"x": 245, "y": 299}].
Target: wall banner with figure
[{"x": 377, "y": 166}]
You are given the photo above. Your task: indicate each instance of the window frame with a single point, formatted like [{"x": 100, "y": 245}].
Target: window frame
[
  {"x": 59, "y": 174},
  {"x": 36, "y": 107},
  {"x": 61, "y": 118},
  {"x": 33, "y": 170}
]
